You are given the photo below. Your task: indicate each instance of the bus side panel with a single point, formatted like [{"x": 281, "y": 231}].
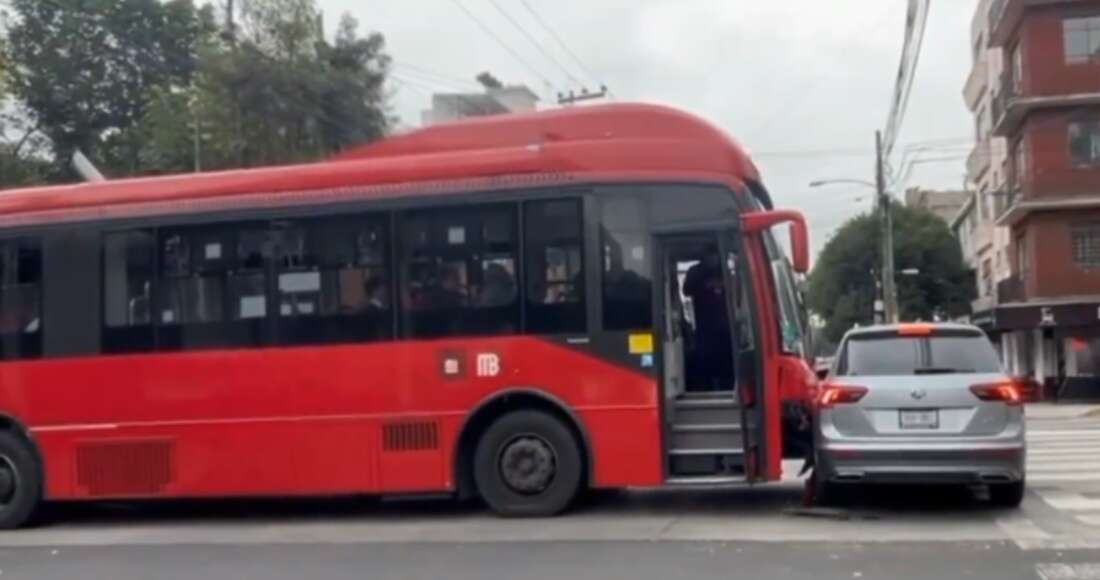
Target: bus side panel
[{"x": 381, "y": 417}]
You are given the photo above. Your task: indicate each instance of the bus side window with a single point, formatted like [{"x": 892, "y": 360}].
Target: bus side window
[
  {"x": 555, "y": 272},
  {"x": 459, "y": 269},
  {"x": 20, "y": 299},
  {"x": 627, "y": 285},
  {"x": 333, "y": 280},
  {"x": 128, "y": 270}
]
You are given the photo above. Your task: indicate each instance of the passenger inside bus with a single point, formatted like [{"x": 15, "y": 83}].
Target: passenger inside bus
[{"x": 709, "y": 360}]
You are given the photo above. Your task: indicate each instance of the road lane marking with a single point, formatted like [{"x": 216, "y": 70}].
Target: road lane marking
[
  {"x": 1069, "y": 501},
  {"x": 1021, "y": 530},
  {"x": 1090, "y": 519},
  {"x": 1061, "y": 571},
  {"x": 1041, "y": 477}
]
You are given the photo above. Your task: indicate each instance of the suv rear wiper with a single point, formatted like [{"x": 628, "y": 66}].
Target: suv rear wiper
[{"x": 940, "y": 371}]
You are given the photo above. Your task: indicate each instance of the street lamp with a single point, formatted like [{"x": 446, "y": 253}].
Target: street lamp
[{"x": 910, "y": 272}]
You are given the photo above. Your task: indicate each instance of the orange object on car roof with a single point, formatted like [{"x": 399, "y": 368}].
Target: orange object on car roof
[{"x": 915, "y": 329}]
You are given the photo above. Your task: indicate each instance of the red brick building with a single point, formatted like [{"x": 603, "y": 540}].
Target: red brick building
[{"x": 1046, "y": 108}]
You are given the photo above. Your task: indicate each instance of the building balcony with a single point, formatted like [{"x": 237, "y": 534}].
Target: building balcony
[
  {"x": 983, "y": 304},
  {"x": 977, "y": 83},
  {"x": 979, "y": 160},
  {"x": 1011, "y": 289},
  {"x": 1005, "y": 17},
  {"x": 1003, "y": 200},
  {"x": 1013, "y": 103}
]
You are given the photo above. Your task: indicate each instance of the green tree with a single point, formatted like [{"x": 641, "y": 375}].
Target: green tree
[
  {"x": 279, "y": 92},
  {"x": 85, "y": 68},
  {"x": 842, "y": 284}
]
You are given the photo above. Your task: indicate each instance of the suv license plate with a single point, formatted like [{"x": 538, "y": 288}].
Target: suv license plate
[{"x": 920, "y": 419}]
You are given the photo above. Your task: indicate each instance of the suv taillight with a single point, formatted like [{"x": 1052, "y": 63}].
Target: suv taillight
[
  {"x": 837, "y": 394},
  {"x": 1005, "y": 391}
]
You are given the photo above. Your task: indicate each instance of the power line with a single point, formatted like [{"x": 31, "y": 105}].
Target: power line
[
  {"x": 535, "y": 42},
  {"x": 487, "y": 30},
  {"x": 915, "y": 24},
  {"x": 550, "y": 30},
  {"x": 435, "y": 75}
]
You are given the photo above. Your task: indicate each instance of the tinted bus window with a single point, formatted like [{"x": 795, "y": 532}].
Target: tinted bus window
[
  {"x": 459, "y": 272},
  {"x": 20, "y": 299},
  {"x": 555, "y": 270},
  {"x": 128, "y": 272},
  {"x": 333, "y": 280},
  {"x": 627, "y": 292},
  {"x": 211, "y": 291}
]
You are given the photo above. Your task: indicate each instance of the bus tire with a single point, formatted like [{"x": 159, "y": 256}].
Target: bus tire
[
  {"x": 528, "y": 464},
  {"x": 20, "y": 482}
]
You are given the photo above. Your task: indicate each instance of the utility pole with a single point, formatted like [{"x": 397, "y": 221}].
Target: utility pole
[
  {"x": 889, "y": 290},
  {"x": 573, "y": 98}
]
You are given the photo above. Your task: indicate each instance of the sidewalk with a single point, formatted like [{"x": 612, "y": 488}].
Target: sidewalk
[{"x": 1055, "y": 411}]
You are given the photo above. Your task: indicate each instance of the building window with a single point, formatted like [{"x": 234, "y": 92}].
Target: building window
[
  {"x": 459, "y": 272},
  {"x": 987, "y": 277},
  {"x": 20, "y": 299},
  {"x": 1084, "y": 142},
  {"x": 1019, "y": 165},
  {"x": 1082, "y": 39},
  {"x": 627, "y": 280},
  {"x": 1086, "y": 245},
  {"x": 554, "y": 265},
  {"x": 1017, "y": 69},
  {"x": 1023, "y": 259}
]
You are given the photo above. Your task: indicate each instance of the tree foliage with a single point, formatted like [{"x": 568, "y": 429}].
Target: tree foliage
[
  {"x": 154, "y": 86},
  {"x": 84, "y": 67},
  {"x": 842, "y": 284}
]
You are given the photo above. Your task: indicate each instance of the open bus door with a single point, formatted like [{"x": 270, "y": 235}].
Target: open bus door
[{"x": 748, "y": 370}]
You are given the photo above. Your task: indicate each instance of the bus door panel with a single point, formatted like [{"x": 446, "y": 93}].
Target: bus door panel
[{"x": 747, "y": 369}]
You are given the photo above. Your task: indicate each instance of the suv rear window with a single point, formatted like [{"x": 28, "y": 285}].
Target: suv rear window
[{"x": 941, "y": 353}]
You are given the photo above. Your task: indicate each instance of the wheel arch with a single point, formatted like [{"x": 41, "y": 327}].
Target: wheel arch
[
  {"x": 13, "y": 425},
  {"x": 497, "y": 405}
]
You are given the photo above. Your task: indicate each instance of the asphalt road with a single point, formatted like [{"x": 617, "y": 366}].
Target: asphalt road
[
  {"x": 539, "y": 560},
  {"x": 890, "y": 532}
]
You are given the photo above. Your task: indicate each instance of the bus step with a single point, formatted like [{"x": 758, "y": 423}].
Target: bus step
[
  {"x": 705, "y": 411},
  {"x": 706, "y": 462},
  {"x": 706, "y": 480},
  {"x": 706, "y": 436}
]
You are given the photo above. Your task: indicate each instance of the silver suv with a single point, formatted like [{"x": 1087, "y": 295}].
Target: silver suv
[{"x": 919, "y": 403}]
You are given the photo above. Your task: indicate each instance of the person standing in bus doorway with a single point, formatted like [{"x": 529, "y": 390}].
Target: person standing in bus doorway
[{"x": 705, "y": 285}]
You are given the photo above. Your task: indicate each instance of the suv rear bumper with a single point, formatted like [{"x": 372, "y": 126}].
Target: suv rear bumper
[{"x": 999, "y": 462}]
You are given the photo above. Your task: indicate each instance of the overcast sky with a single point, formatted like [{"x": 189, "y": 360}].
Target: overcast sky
[{"x": 786, "y": 78}]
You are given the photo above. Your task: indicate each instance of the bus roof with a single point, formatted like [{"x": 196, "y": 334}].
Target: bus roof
[{"x": 612, "y": 139}]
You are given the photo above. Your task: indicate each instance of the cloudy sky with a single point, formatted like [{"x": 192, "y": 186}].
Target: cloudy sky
[{"x": 803, "y": 83}]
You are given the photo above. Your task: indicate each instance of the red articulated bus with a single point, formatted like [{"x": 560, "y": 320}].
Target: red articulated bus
[{"x": 513, "y": 307}]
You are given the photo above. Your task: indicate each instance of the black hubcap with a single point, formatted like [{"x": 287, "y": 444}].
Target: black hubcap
[
  {"x": 527, "y": 464},
  {"x": 7, "y": 481}
]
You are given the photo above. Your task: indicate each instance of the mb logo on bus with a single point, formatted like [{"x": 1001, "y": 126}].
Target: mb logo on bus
[{"x": 488, "y": 364}]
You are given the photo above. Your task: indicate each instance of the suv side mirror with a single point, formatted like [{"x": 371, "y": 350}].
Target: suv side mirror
[{"x": 800, "y": 233}]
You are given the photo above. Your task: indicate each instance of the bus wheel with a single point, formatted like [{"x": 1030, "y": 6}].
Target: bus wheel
[
  {"x": 20, "y": 484},
  {"x": 527, "y": 464}
]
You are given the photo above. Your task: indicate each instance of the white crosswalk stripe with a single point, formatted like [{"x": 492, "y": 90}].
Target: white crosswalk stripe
[{"x": 1063, "y": 469}]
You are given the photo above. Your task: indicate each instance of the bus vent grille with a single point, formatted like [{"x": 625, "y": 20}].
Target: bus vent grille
[
  {"x": 131, "y": 467},
  {"x": 410, "y": 436}
]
